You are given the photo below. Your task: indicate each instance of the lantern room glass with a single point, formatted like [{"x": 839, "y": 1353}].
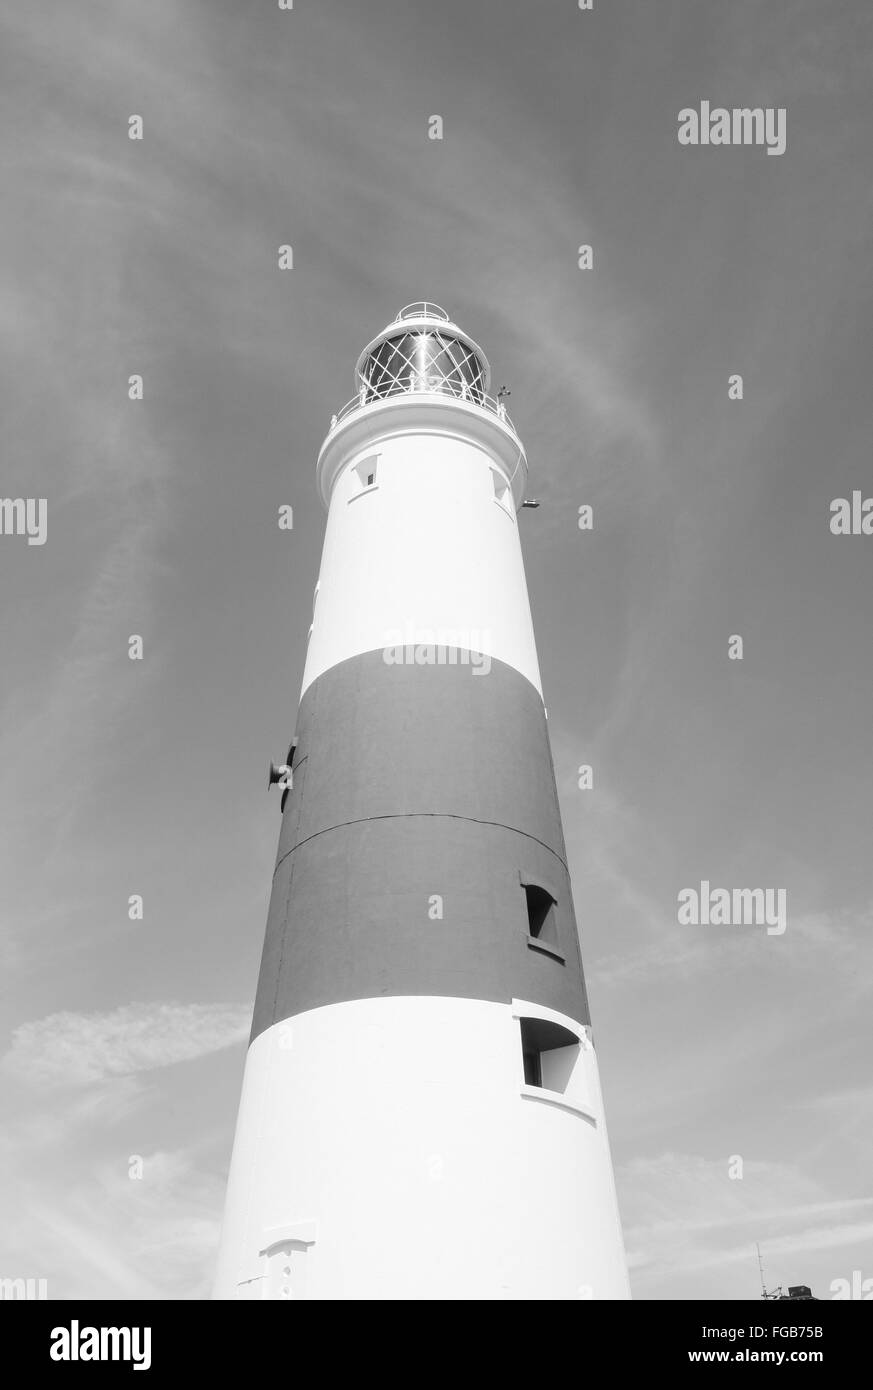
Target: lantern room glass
[{"x": 423, "y": 360}]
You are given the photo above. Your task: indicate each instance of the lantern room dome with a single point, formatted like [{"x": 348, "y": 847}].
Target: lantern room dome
[{"x": 423, "y": 351}]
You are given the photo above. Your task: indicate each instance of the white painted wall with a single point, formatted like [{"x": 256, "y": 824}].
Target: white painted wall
[
  {"x": 389, "y": 1143},
  {"x": 427, "y": 548}
]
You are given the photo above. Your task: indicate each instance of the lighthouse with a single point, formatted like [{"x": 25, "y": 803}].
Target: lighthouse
[{"x": 421, "y": 1113}]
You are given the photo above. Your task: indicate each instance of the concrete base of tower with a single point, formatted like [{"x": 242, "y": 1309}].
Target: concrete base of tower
[{"x": 403, "y": 1148}]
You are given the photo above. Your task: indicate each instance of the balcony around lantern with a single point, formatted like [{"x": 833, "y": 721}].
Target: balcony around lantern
[{"x": 366, "y": 397}]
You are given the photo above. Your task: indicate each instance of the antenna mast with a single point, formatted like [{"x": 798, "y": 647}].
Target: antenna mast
[{"x": 774, "y": 1293}]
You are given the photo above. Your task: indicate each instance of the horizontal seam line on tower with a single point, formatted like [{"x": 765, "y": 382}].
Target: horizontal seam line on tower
[
  {"x": 417, "y": 815},
  {"x": 375, "y": 651}
]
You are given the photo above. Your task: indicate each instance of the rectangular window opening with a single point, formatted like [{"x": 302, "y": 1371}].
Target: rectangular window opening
[
  {"x": 541, "y": 922},
  {"x": 366, "y": 471},
  {"x": 502, "y": 491},
  {"x": 549, "y": 1054}
]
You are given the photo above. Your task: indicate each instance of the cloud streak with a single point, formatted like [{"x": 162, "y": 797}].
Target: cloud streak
[{"x": 70, "y": 1049}]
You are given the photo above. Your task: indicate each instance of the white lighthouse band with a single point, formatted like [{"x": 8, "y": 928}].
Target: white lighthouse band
[{"x": 421, "y": 1113}]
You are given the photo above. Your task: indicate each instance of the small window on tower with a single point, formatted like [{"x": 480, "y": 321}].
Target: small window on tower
[
  {"x": 540, "y": 914},
  {"x": 542, "y": 920},
  {"x": 502, "y": 491},
  {"x": 549, "y": 1053},
  {"x": 365, "y": 475}
]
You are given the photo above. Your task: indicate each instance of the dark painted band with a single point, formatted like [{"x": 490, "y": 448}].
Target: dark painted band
[{"x": 423, "y": 801}]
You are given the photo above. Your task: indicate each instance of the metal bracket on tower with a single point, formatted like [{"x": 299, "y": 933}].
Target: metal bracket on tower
[{"x": 281, "y": 777}]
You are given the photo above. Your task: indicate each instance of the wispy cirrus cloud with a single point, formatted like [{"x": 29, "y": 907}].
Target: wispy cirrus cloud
[{"x": 70, "y": 1049}]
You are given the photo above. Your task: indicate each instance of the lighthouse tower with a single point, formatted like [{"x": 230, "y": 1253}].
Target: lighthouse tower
[{"x": 421, "y": 1116}]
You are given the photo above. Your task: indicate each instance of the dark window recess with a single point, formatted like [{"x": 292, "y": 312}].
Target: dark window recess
[
  {"x": 533, "y": 1069},
  {"x": 541, "y": 922},
  {"x": 539, "y": 1037},
  {"x": 366, "y": 470}
]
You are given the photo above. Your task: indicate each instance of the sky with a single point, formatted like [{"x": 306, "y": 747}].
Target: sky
[{"x": 123, "y": 1041}]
